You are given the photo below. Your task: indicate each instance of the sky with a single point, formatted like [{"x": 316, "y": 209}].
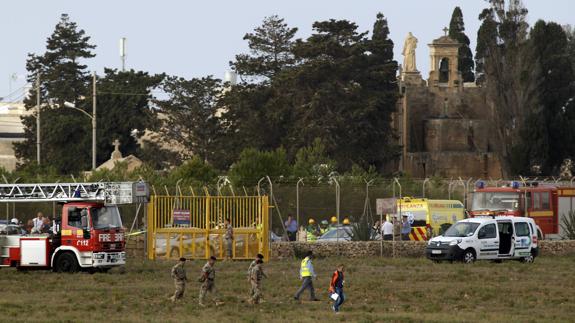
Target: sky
[{"x": 199, "y": 38}]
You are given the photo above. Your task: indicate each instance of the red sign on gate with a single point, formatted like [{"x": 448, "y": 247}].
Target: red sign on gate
[{"x": 181, "y": 217}]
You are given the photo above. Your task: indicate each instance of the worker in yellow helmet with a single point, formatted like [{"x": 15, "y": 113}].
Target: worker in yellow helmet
[
  {"x": 324, "y": 227},
  {"x": 311, "y": 230},
  {"x": 332, "y": 223}
]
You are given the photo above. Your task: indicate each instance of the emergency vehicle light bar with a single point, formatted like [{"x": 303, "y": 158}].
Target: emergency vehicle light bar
[{"x": 106, "y": 192}]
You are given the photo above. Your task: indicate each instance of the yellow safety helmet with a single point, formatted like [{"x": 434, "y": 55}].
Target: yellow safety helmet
[
  {"x": 333, "y": 220},
  {"x": 311, "y": 221},
  {"x": 346, "y": 221}
]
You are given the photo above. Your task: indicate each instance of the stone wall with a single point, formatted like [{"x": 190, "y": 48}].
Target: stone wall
[
  {"x": 352, "y": 249},
  {"x": 282, "y": 250},
  {"x": 135, "y": 246}
]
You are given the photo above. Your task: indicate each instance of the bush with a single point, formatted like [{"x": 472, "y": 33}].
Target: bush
[
  {"x": 254, "y": 164},
  {"x": 194, "y": 172},
  {"x": 568, "y": 226},
  {"x": 312, "y": 161},
  {"x": 361, "y": 230}
]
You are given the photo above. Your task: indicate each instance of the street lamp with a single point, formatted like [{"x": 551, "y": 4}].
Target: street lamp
[{"x": 93, "y": 118}]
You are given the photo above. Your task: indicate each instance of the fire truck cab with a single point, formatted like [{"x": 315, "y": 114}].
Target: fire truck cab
[
  {"x": 87, "y": 235},
  {"x": 547, "y": 204}
]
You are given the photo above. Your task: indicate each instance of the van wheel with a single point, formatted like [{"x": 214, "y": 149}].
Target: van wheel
[
  {"x": 529, "y": 259},
  {"x": 66, "y": 263},
  {"x": 469, "y": 256}
]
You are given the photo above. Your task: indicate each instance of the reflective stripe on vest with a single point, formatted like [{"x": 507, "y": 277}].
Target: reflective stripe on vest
[
  {"x": 304, "y": 269},
  {"x": 311, "y": 236}
]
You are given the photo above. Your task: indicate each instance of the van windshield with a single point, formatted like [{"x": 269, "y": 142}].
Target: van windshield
[{"x": 462, "y": 229}]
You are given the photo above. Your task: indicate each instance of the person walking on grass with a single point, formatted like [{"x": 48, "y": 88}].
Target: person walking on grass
[
  {"x": 208, "y": 280},
  {"x": 306, "y": 274},
  {"x": 336, "y": 288},
  {"x": 259, "y": 256},
  {"x": 256, "y": 276},
  {"x": 179, "y": 275}
]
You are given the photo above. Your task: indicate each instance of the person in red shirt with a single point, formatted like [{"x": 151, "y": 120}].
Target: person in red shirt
[{"x": 336, "y": 288}]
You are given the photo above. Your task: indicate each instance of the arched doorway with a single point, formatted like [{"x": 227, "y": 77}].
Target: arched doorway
[{"x": 444, "y": 70}]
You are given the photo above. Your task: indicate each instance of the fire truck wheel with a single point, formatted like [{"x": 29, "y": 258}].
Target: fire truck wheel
[{"x": 66, "y": 262}]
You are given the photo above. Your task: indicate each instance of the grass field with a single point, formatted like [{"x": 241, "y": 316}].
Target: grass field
[{"x": 378, "y": 289}]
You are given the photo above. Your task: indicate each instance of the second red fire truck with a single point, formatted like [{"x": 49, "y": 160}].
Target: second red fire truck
[{"x": 546, "y": 203}]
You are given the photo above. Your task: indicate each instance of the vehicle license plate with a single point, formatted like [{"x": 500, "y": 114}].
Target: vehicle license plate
[{"x": 436, "y": 252}]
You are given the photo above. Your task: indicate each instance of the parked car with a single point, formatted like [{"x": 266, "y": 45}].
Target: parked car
[
  {"x": 11, "y": 229},
  {"x": 342, "y": 233},
  {"x": 491, "y": 238}
]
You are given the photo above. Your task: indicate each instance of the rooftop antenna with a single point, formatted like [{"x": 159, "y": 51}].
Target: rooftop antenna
[{"x": 123, "y": 41}]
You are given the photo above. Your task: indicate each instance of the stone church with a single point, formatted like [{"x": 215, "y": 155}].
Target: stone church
[{"x": 442, "y": 123}]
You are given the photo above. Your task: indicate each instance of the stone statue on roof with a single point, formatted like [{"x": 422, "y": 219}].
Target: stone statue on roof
[{"x": 408, "y": 53}]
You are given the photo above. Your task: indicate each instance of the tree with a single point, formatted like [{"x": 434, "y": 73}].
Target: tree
[
  {"x": 124, "y": 110},
  {"x": 190, "y": 115},
  {"x": 511, "y": 81},
  {"x": 486, "y": 35},
  {"x": 344, "y": 92},
  {"x": 270, "y": 50},
  {"x": 547, "y": 136},
  {"x": 457, "y": 32},
  {"x": 65, "y": 133}
]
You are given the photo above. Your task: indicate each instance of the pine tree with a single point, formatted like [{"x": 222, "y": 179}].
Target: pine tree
[
  {"x": 457, "y": 32},
  {"x": 190, "y": 115},
  {"x": 344, "y": 92},
  {"x": 65, "y": 133},
  {"x": 270, "y": 50},
  {"x": 547, "y": 136}
]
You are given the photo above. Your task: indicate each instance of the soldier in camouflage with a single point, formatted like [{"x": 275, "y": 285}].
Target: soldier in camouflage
[
  {"x": 229, "y": 237},
  {"x": 253, "y": 264},
  {"x": 179, "y": 275},
  {"x": 256, "y": 276},
  {"x": 208, "y": 282}
]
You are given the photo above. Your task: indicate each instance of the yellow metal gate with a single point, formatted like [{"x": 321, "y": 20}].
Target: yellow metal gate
[{"x": 192, "y": 226}]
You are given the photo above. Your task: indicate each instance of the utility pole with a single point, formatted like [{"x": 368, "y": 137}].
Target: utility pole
[
  {"x": 93, "y": 120},
  {"x": 38, "y": 119},
  {"x": 123, "y": 52}
]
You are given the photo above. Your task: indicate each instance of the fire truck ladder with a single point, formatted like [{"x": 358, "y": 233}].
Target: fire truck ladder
[{"x": 106, "y": 192}]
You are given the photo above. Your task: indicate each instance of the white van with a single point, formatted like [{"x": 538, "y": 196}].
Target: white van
[{"x": 490, "y": 238}]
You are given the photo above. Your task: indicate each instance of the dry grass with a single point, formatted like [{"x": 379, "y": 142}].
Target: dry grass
[{"x": 378, "y": 289}]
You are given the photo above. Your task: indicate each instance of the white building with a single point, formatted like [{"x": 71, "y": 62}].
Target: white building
[{"x": 11, "y": 131}]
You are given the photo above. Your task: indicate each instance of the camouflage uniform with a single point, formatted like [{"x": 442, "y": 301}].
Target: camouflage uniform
[
  {"x": 208, "y": 285},
  {"x": 252, "y": 265},
  {"x": 256, "y": 276},
  {"x": 229, "y": 236},
  {"x": 179, "y": 276}
]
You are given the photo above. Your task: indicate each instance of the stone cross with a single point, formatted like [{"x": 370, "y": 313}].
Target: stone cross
[
  {"x": 116, "y": 154},
  {"x": 445, "y": 30}
]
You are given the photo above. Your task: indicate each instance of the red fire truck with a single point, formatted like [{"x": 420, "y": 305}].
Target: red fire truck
[
  {"x": 87, "y": 235},
  {"x": 546, "y": 203}
]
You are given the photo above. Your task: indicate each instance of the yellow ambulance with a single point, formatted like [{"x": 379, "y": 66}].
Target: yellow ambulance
[{"x": 429, "y": 218}]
